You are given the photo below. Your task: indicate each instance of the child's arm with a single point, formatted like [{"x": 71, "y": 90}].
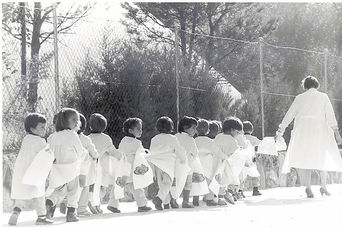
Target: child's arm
[
  {"x": 114, "y": 152},
  {"x": 80, "y": 151},
  {"x": 90, "y": 147}
]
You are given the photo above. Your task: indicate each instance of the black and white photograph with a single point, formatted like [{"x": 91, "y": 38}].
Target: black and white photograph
[{"x": 171, "y": 113}]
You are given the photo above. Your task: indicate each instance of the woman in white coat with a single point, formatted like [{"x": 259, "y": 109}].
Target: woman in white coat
[{"x": 315, "y": 135}]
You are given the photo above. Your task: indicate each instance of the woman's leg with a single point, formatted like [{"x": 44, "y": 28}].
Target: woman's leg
[
  {"x": 323, "y": 175},
  {"x": 307, "y": 178}
]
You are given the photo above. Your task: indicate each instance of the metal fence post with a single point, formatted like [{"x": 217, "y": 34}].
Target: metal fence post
[
  {"x": 177, "y": 74},
  {"x": 56, "y": 57},
  {"x": 261, "y": 65},
  {"x": 326, "y": 70}
]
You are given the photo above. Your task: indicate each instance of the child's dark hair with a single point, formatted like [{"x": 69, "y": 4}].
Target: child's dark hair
[
  {"x": 213, "y": 127},
  {"x": 164, "y": 125},
  {"x": 219, "y": 124},
  {"x": 32, "y": 120},
  {"x": 97, "y": 123},
  {"x": 186, "y": 122},
  {"x": 63, "y": 117},
  {"x": 83, "y": 124},
  {"x": 203, "y": 127},
  {"x": 247, "y": 127},
  {"x": 130, "y": 123},
  {"x": 54, "y": 120},
  {"x": 232, "y": 123},
  {"x": 310, "y": 82}
]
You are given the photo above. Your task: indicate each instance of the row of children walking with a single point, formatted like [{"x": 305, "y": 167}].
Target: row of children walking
[{"x": 214, "y": 164}]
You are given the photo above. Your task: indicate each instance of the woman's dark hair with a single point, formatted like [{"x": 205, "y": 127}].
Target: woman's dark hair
[
  {"x": 97, "y": 123},
  {"x": 310, "y": 82},
  {"x": 186, "y": 122},
  {"x": 203, "y": 127},
  {"x": 32, "y": 120},
  {"x": 83, "y": 124},
  {"x": 130, "y": 123},
  {"x": 232, "y": 123},
  {"x": 164, "y": 125},
  {"x": 63, "y": 117},
  {"x": 247, "y": 127}
]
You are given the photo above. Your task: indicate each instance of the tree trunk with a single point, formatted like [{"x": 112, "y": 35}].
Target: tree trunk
[
  {"x": 23, "y": 48},
  {"x": 34, "y": 66}
]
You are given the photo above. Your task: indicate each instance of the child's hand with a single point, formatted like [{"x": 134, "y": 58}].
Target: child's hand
[{"x": 82, "y": 180}]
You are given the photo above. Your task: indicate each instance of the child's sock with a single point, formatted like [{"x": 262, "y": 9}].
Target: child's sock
[
  {"x": 195, "y": 201},
  {"x": 14, "y": 217},
  {"x": 186, "y": 196}
]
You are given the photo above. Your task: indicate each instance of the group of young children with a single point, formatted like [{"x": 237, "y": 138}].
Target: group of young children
[{"x": 205, "y": 158}]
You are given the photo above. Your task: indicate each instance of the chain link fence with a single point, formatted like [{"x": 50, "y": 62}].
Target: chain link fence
[{"x": 102, "y": 71}]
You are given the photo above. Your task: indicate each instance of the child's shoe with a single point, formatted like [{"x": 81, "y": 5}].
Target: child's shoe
[
  {"x": 186, "y": 195},
  {"x": 113, "y": 209},
  {"x": 211, "y": 203},
  {"x": 42, "y": 220},
  {"x": 71, "y": 215},
  {"x": 229, "y": 198},
  {"x": 195, "y": 201},
  {"x": 187, "y": 205},
  {"x": 174, "y": 204},
  {"x": 144, "y": 209},
  {"x": 256, "y": 191},
  {"x": 241, "y": 194},
  {"x": 99, "y": 210},
  {"x": 157, "y": 203},
  {"x": 83, "y": 213},
  {"x": 62, "y": 208},
  {"x": 221, "y": 202},
  {"x": 92, "y": 208},
  {"x": 50, "y": 209},
  {"x": 166, "y": 206},
  {"x": 14, "y": 217}
]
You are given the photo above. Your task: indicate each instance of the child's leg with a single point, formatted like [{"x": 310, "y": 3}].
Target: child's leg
[
  {"x": 140, "y": 198},
  {"x": 83, "y": 201},
  {"x": 55, "y": 198},
  {"x": 18, "y": 207},
  {"x": 73, "y": 195},
  {"x": 256, "y": 185},
  {"x": 39, "y": 205},
  {"x": 113, "y": 203},
  {"x": 186, "y": 192},
  {"x": 164, "y": 183},
  {"x": 210, "y": 195}
]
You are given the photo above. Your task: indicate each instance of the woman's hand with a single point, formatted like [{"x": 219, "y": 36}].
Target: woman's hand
[{"x": 338, "y": 137}]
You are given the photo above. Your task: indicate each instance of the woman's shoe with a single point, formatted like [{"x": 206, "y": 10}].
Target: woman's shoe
[
  {"x": 309, "y": 193},
  {"x": 324, "y": 191}
]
